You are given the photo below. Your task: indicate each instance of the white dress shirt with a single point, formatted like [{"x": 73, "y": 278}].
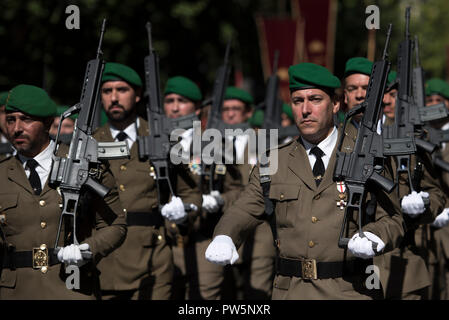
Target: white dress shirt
[
  {"x": 327, "y": 146},
  {"x": 44, "y": 162},
  {"x": 130, "y": 130}
]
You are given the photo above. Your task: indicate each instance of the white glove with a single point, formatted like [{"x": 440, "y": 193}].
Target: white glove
[
  {"x": 442, "y": 219},
  {"x": 211, "y": 202},
  {"x": 413, "y": 204},
  {"x": 72, "y": 254},
  {"x": 174, "y": 210},
  {"x": 222, "y": 251},
  {"x": 363, "y": 247}
]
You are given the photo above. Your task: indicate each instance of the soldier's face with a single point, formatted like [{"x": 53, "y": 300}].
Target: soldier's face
[
  {"x": 285, "y": 120},
  {"x": 176, "y": 106},
  {"x": 28, "y": 134},
  {"x": 119, "y": 100},
  {"x": 67, "y": 126},
  {"x": 389, "y": 103},
  {"x": 313, "y": 111},
  {"x": 436, "y": 99},
  {"x": 355, "y": 90},
  {"x": 234, "y": 111}
]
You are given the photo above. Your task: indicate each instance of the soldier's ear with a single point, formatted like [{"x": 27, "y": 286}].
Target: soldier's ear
[
  {"x": 335, "y": 106},
  {"x": 138, "y": 94}
]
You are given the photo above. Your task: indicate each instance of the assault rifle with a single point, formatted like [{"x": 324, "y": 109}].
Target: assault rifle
[
  {"x": 78, "y": 172},
  {"x": 404, "y": 138},
  {"x": 215, "y": 121},
  {"x": 360, "y": 169},
  {"x": 156, "y": 146},
  {"x": 273, "y": 106},
  {"x": 434, "y": 112}
]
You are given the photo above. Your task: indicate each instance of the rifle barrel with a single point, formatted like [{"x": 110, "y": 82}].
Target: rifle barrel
[{"x": 103, "y": 28}]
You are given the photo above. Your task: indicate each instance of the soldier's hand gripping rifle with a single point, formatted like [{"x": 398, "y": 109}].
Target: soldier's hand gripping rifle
[
  {"x": 156, "y": 146},
  {"x": 360, "y": 169},
  {"x": 76, "y": 173}
]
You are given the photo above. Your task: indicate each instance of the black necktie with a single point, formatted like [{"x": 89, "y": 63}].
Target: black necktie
[
  {"x": 121, "y": 136},
  {"x": 318, "y": 168},
  {"x": 34, "y": 179}
]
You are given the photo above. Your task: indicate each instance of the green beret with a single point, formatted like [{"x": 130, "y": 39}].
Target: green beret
[
  {"x": 61, "y": 109},
  {"x": 239, "y": 94},
  {"x": 256, "y": 119},
  {"x": 3, "y": 96},
  {"x": 437, "y": 86},
  {"x": 358, "y": 65},
  {"x": 287, "y": 110},
  {"x": 30, "y": 100},
  {"x": 391, "y": 77},
  {"x": 184, "y": 87},
  {"x": 119, "y": 72},
  {"x": 310, "y": 75}
]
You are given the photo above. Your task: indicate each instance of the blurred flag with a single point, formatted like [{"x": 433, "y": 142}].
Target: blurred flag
[
  {"x": 283, "y": 34},
  {"x": 319, "y": 17}
]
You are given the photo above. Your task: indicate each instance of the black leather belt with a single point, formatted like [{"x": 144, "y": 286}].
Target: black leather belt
[
  {"x": 310, "y": 269},
  {"x": 152, "y": 218},
  {"x": 37, "y": 258}
]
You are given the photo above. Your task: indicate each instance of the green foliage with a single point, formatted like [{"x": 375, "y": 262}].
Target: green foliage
[{"x": 190, "y": 37}]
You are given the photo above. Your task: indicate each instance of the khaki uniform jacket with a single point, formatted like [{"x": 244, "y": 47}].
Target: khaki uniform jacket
[
  {"x": 129, "y": 267},
  {"x": 308, "y": 222},
  {"x": 28, "y": 221},
  {"x": 402, "y": 270}
]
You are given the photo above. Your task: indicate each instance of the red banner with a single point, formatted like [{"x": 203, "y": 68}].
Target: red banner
[
  {"x": 319, "y": 17},
  {"x": 284, "y": 35}
]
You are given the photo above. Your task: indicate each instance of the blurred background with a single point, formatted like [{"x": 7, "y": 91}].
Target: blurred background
[{"x": 190, "y": 37}]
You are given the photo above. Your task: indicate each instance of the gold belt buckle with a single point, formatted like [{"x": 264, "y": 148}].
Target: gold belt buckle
[
  {"x": 309, "y": 269},
  {"x": 40, "y": 257}
]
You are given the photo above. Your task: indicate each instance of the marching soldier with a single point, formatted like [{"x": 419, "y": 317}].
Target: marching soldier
[
  {"x": 403, "y": 272},
  {"x": 254, "y": 272},
  {"x": 310, "y": 265},
  {"x": 355, "y": 83},
  {"x": 195, "y": 278},
  {"x": 142, "y": 268},
  {"x": 437, "y": 91},
  {"x": 30, "y": 210}
]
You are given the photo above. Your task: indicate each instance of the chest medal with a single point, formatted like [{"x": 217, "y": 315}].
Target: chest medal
[{"x": 341, "y": 187}]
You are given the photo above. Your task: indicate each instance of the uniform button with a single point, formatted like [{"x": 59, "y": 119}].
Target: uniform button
[
  {"x": 124, "y": 210},
  {"x": 43, "y": 224},
  {"x": 159, "y": 238},
  {"x": 44, "y": 269},
  {"x": 282, "y": 196},
  {"x": 317, "y": 197},
  {"x": 173, "y": 225},
  {"x": 123, "y": 167},
  {"x": 43, "y": 246},
  {"x": 122, "y": 187},
  {"x": 311, "y": 244},
  {"x": 42, "y": 203},
  {"x": 314, "y": 219}
]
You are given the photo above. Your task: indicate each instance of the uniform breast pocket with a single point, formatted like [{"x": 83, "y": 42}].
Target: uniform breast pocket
[{"x": 286, "y": 200}]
